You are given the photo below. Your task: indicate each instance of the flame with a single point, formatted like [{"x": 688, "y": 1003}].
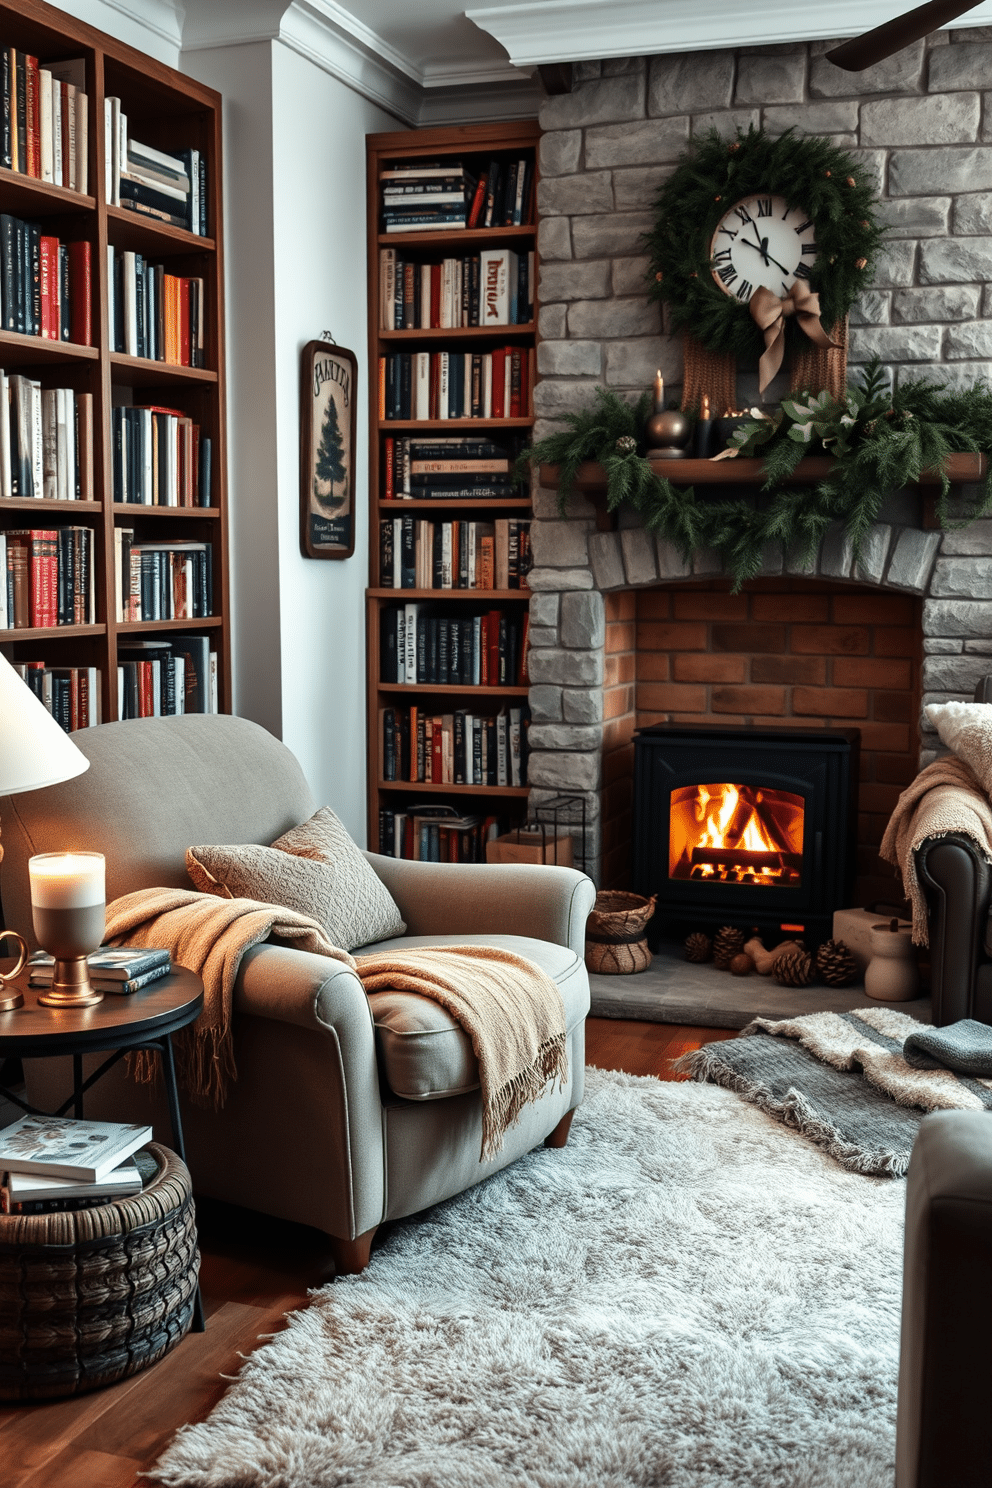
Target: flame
[{"x": 730, "y": 819}]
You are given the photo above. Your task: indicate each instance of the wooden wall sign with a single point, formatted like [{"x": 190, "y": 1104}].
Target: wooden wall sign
[{"x": 328, "y": 379}]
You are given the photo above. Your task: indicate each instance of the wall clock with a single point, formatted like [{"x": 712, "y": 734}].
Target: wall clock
[
  {"x": 762, "y": 240},
  {"x": 756, "y": 210}
]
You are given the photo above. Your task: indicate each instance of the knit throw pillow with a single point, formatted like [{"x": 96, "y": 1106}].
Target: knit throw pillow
[
  {"x": 315, "y": 869},
  {"x": 966, "y": 729}
]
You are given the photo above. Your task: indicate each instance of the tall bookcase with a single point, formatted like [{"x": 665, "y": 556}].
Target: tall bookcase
[
  {"x": 170, "y": 112},
  {"x": 473, "y": 146}
]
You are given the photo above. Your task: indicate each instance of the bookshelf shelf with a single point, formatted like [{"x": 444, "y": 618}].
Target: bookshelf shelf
[
  {"x": 168, "y": 513},
  {"x": 432, "y": 788},
  {"x": 142, "y": 372},
  {"x": 472, "y": 596},
  {"x": 25, "y": 351},
  {"x": 133, "y": 627},
  {"x": 476, "y": 147},
  {"x": 131, "y": 230},
  {"x": 63, "y": 508},
  {"x": 52, "y": 632},
  {"x": 482, "y": 237},
  {"x": 441, "y": 426},
  {"x": 462, "y": 333},
  {"x": 174, "y": 113},
  {"x": 27, "y": 194}
]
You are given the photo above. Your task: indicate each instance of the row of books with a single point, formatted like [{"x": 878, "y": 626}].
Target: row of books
[
  {"x": 494, "y": 287},
  {"x": 441, "y": 196},
  {"x": 160, "y": 678},
  {"x": 451, "y": 385},
  {"x": 45, "y": 285},
  {"x": 49, "y": 575},
  {"x": 169, "y": 186},
  {"x": 448, "y": 466},
  {"x": 51, "y": 1163},
  {"x": 46, "y": 441},
  {"x": 72, "y": 695},
  {"x": 482, "y": 650},
  {"x": 160, "y": 457},
  {"x": 154, "y": 314},
  {"x": 437, "y": 834},
  {"x": 169, "y": 580},
  {"x": 44, "y": 129},
  {"x": 419, "y": 553},
  {"x": 457, "y": 748}
]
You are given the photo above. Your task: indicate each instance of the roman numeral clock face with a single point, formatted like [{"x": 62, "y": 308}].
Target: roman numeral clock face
[{"x": 762, "y": 240}]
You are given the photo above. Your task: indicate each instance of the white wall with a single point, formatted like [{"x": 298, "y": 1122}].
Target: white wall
[{"x": 295, "y": 266}]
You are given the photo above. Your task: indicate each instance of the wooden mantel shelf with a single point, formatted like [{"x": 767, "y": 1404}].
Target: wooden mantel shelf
[{"x": 749, "y": 472}]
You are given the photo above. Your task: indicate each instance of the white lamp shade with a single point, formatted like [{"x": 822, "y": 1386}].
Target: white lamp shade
[{"x": 34, "y": 750}]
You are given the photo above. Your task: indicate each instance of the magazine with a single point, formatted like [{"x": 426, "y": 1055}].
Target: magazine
[
  {"x": 61, "y": 1147},
  {"x": 109, "y": 964}
]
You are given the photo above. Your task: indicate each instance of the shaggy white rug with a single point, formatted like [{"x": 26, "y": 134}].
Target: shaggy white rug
[{"x": 688, "y": 1295}]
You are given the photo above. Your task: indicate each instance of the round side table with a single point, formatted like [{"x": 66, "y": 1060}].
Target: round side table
[{"x": 118, "y": 1025}]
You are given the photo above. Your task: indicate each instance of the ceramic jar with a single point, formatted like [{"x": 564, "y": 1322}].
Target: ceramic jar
[{"x": 892, "y": 974}]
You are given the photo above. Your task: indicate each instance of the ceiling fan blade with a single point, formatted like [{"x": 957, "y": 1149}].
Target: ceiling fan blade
[{"x": 874, "y": 46}]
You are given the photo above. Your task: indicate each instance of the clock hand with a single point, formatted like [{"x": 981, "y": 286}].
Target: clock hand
[{"x": 767, "y": 257}]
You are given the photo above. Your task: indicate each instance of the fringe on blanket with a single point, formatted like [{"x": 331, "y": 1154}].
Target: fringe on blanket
[{"x": 503, "y": 1110}]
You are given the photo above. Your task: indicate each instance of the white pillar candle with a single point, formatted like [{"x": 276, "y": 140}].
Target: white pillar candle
[{"x": 67, "y": 880}]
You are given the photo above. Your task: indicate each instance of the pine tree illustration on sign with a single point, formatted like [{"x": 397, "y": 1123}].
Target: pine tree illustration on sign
[{"x": 329, "y": 465}]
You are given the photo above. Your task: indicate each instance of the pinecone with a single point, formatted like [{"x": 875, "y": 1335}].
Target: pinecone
[
  {"x": 794, "y": 969},
  {"x": 626, "y": 444},
  {"x": 727, "y": 943},
  {"x": 697, "y": 947},
  {"x": 835, "y": 963}
]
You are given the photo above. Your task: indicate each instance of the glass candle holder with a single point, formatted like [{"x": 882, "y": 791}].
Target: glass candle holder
[{"x": 68, "y": 907}]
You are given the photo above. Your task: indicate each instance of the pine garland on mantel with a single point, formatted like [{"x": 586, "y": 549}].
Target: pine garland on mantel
[{"x": 881, "y": 441}]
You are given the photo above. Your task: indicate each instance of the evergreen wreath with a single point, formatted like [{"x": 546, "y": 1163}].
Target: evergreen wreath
[
  {"x": 713, "y": 174},
  {"x": 880, "y": 441}
]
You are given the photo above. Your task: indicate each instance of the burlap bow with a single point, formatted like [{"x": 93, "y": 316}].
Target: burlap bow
[{"x": 769, "y": 312}]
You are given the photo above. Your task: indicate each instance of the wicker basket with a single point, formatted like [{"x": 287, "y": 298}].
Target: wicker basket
[
  {"x": 615, "y": 934},
  {"x": 90, "y": 1296}
]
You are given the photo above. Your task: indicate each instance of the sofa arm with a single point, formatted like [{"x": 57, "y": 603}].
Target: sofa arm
[
  {"x": 293, "y": 986},
  {"x": 944, "y": 1425},
  {"x": 957, "y": 883},
  {"x": 542, "y": 902}
]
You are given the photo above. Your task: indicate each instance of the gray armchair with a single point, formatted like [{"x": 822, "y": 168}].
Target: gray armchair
[{"x": 320, "y": 1126}]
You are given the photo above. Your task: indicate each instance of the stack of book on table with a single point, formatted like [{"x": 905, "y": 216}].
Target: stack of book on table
[
  {"x": 48, "y": 1163},
  {"x": 111, "y": 970}
]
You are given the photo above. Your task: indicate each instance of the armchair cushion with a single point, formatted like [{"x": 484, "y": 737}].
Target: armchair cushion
[
  {"x": 423, "y": 1053},
  {"x": 314, "y": 869}
]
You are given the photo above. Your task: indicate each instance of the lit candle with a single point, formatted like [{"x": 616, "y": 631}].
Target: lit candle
[
  {"x": 68, "y": 880},
  {"x": 659, "y": 392}
]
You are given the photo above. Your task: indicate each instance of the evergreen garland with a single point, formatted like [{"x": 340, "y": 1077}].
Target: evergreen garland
[
  {"x": 713, "y": 174},
  {"x": 881, "y": 441}
]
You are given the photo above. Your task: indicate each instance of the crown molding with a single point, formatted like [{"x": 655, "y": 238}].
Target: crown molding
[
  {"x": 587, "y": 30},
  {"x": 480, "y": 104}
]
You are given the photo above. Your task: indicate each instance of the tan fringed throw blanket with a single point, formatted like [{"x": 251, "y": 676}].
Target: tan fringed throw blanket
[
  {"x": 209, "y": 936},
  {"x": 510, "y": 1009},
  {"x": 944, "y": 797}
]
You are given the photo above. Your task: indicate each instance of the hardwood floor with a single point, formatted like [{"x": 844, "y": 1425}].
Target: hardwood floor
[{"x": 254, "y": 1270}]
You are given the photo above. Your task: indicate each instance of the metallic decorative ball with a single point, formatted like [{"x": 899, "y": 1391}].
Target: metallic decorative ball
[{"x": 668, "y": 435}]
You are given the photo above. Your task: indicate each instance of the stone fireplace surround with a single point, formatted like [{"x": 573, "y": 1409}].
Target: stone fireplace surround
[
  {"x": 921, "y": 124},
  {"x": 583, "y": 692}
]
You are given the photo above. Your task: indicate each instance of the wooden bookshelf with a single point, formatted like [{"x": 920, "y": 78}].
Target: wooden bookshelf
[
  {"x": 473, "y": 145},
  {"x": 170, "y": 112}
]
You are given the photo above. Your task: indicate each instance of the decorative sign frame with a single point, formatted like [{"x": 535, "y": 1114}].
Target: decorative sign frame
[{"x": 328, "y": 389}]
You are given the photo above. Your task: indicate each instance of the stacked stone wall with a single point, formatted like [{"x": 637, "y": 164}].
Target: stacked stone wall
[{"x": 921, "y": 123}]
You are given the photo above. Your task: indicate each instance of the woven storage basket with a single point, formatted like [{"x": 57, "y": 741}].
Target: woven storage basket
[
  {"x": 89, "y": 1296},
  {"x": 615, "y": 940}
]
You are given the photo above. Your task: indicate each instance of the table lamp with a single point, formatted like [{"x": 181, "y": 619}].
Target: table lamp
[{"x": 34, "y": 752}]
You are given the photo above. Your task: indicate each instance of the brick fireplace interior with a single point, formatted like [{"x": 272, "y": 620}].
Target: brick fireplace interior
[{"x": 799, "y": 652}]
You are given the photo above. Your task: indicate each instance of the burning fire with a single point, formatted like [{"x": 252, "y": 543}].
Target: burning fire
[{"x": 736, "y": 834}]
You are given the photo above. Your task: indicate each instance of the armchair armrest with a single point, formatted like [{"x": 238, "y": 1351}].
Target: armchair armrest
[
  {"x": 543, "y": 902},
  {"x": 944, "y": 1425},
  {"x": 957, "y": 883},
  {"x": 293, "y": 986}
]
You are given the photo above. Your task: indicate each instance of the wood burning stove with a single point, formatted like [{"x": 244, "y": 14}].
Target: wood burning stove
[{"x": 745, "y": 827}]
